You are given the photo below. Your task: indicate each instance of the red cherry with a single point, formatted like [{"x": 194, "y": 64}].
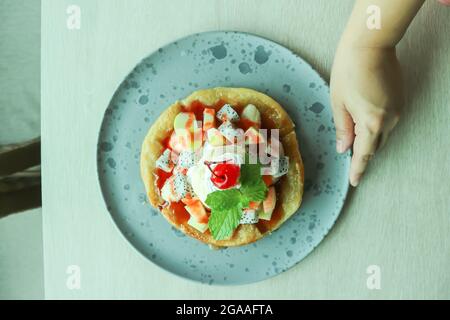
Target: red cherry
[{"x": 224, "y": 175}]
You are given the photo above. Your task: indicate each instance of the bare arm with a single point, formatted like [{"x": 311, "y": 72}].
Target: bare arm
[{"x": 396, "y": 16}]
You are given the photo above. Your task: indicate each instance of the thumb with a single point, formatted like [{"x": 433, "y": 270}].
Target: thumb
[{"x": 345, "y": 134}]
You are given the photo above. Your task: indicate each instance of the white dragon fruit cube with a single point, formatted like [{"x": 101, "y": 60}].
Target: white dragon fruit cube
[
  {"x": 279, "y": 166},
  {"x": 227, "y": 113},
  {"x": 176, "y": 188},
  {"x": 249, "y": 216},
  {"x": 230, "y": 132},
  {"x": 168, "y": 191},
  {"x": 186, "y": 159},
  {"x": 164, "y": 162},
  {"x": 181, "y": 185}
]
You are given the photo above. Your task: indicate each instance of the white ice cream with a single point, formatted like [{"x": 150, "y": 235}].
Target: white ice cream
[{"x": 199, "y": 175}]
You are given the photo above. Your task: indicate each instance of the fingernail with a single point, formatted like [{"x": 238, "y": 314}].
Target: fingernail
[
  {"x": 339, "y": 146},
  {"x": 356, "y": 180}
]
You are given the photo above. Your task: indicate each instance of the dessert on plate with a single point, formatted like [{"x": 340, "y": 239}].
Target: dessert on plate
[{"x": 223, "y": 166}]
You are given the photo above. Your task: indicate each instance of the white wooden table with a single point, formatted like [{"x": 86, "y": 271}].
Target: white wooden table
[{"x": 398, "y": 219}]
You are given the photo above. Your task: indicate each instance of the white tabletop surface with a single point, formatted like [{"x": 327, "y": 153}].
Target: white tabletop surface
[{"x": 397, "y": 219}]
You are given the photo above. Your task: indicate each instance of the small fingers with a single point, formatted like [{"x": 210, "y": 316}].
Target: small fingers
[
  {"x": 344, "y": 128},
  {"x": 363, "y": 151},
  {"x": 371, "y": 134}
]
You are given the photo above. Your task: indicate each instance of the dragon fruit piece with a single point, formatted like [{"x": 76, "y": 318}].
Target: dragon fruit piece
[
  {"x": 227, "y": 113},
  {"x": 176, "y": 188},
  {"x": 249, "y": 216},
  {"x": 168, "y": 192},
  {"x": 164, "y": 162},
  {"x": 178, "y": 169},
  {"x": 186, "y": 159},
  {"x": 279, "y": 166},
  {"x": 230, "y": 132},
  {"x": 181, "y": 185}
]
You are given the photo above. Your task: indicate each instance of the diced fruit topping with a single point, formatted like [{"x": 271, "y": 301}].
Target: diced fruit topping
[
  {"x": 178, "y": 143},
  {"x": 196, "y": 209},
  {"x": 186, "y": 159},
  {"x": 164, "y": 162},
  {"x": 268, "y": 204},
  {"x": 279, "y": 166},
  {"x": 178, "y": 169},
  {"x": 209, "y": 120},
  {"x": 185, "y": 121},
  {"x": 253, "y": 136},
  {"x": 251, "y": 117},
  {"x": 175, "y": 188},
  {"x": 202, "y": 227},
  {"x": 188, "y": 133},
  {"x": 215, "y": 138},
  {"x": 228, "y": 130},
  {"x": 198, "y": 138},
  {"x": 168, "y": 192},
  {"x": 227, "y": 113},
  {"x": 249, "y": 216},
  {"x": 181, "y": 184},
  {"x": 189, "y": 199}
]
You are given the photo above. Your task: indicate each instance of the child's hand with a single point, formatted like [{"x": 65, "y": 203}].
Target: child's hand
[
  {"x": 366, "y": 84},
  {"x": 366, "y": 94}
]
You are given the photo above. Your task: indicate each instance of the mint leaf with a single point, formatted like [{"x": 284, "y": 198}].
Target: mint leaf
[
  {"x": 223, "y": 199},
  {"x": 250, "y": 173},
  {"x": 222, "y": 223},
  {"x": 255, "y": 192},
  {"x": 226, "y": 212},
  {"x": 252, "y": 184}
]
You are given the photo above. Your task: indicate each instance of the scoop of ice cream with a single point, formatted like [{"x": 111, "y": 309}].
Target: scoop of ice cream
[{"x": 199, "y": 175}]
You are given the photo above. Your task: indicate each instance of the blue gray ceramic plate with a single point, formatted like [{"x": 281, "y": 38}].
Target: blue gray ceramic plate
[{"x": 229, "y": 59}]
